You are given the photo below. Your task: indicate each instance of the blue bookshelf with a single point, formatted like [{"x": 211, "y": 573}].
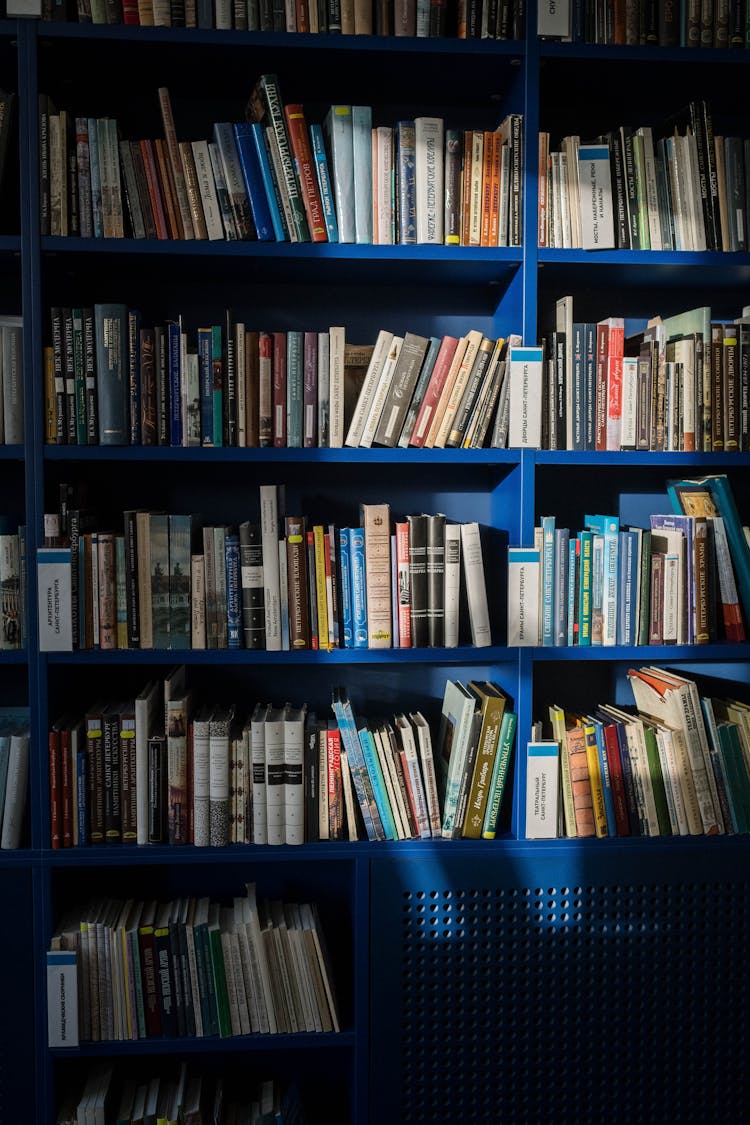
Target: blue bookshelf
[{"x": 478, "y": 980}]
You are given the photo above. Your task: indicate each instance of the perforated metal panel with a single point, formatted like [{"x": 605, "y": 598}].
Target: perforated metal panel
[{"x": 567, "y": 997}]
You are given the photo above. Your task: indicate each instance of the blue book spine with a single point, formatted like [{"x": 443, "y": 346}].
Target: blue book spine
[
  {"x": 351, "y": 745},
  {"x": 548, "y": 580},
  {"x": 113, "y": 399},
  {"x": 377, "y": 781},
  {"x": 254, "y": 185},
  {"x": 338, "y": 131},
  {"x": 560, "y": 616},
  {"x": 323, "y": 175},
  {"x": 175, "y": 383},
  {"x": 269, "y": 183},
  {"x": 294, "y": 387},
  {"x": 609, "y": 803},
  {"x": 738, "y": 548},
  {"x": 628, "y": 588},
  {"x": 362, "y": 154},
  {"x": 359, "y": 587},
  {"x": 407, "y": 184},
  {"x": 609, "y": 528},
  {"x": 234, "y": 596},
  {"x": 346, "y": 588},
  {"x": 206, "y": 380}
]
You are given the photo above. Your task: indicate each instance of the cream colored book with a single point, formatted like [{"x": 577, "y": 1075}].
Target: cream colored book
[{"x": 376, "y": 521}]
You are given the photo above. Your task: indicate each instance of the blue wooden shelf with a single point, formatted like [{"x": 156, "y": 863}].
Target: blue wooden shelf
[{"x": 466, "y": 654}]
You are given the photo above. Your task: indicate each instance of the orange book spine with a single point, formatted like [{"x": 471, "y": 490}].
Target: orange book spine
[{"x": 299, "y": 138}]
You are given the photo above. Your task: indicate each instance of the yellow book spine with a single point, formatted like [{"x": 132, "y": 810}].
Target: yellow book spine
[
  {"x": 320, "y": 585},
  {"x": 595, "y": 777}
]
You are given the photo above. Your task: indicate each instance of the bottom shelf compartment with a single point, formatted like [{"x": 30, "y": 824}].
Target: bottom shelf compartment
[
  {"x": 297, "y": 1088},
  {"x": 17, "y": 1009}
]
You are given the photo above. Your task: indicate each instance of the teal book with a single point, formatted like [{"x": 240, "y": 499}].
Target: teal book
[
  {"x": 500, "y": 768},
  {"x": 351, "y": 746},
  {"x": 323, "y": 174},
  {"x": 609, "y": 528},
  {"x": 362, "y": 157},
  {"x": 377, "y": 781},
  {"x": 548, "y": 580},
  {"x": 585, "y": 587}
]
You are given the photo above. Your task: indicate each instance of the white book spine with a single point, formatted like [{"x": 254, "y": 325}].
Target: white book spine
[
  {"x": 274, "y": 755},
  {"x": 523, "y": 596},
  {"x": 542, "y": 768},
  {"x": 452, "y": 583},
  {"x": 429, "y": 172},
  {"x": 207, "y": 189},
  {"x": 294, "y": 799},
  {"x": 595, "y": 186},
  {"x": 476, "y": 586},
  {"x": 269, "y": 520},
  {"x": 381, "y": 392},
  {"x": 525, "y": 398},
  {"x": 201, "y": 772},
  {"x": 369, "y": 386}
]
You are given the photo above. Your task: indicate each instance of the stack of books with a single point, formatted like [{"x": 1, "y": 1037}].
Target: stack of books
[
  {"x": 685, "y": 579},
  {"x": 678, "y": 385},
  {"x": 191, "y": 967},
  {"x": 111, "y": 379},
  {"x": 278, "y": 581},
  {"x": 671, "y": 186},
  {"x": 112, "y": 1093},
  {"x": 676, "y": 764},
  {"x": 277, "y": 177}
]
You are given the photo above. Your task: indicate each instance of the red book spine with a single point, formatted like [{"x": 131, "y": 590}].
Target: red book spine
[
  {"x": 403, "y": 584},
  {"x": 154, "y": 189},
  {"x": 616, "y": 780},
  {"x": 335, "y": 790},
  {"x": 68, "y": 781},
  {"x": 435, "y": 386},
  {"x": 55, "y": 790},
  {"x": 130, "y": 13},
  {"x": 150, "y": 991},
  {"x": 299, "y": 139}
]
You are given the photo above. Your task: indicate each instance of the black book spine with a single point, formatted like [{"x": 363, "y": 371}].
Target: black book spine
[
  {"x": 178, "y": 977},
  {"x": 162, "y": 385},
  {"x": 418, "y": 579},
  {"x": 435, "y": 563},
  {"x": 134, "y": 375},
  {"x": 157, "y": 789},
  {"x": 251, "y": 571},
  {"x": 69, "y": 377},
  {"x": 165, "y": 981},
  {"x": 89, "y": 369}
]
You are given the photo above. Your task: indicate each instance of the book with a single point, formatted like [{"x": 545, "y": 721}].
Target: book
[{"x": 542, "y": 771}]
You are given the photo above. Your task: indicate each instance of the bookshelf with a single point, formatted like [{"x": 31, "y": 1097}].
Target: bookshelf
[{"x": 629, "y": 953}]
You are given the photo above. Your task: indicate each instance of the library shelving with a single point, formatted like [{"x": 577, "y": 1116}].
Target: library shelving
[{"x": 507, "y": 979}]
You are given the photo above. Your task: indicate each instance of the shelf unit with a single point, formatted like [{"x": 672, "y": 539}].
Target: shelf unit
[{"x": 479, "y": 981}]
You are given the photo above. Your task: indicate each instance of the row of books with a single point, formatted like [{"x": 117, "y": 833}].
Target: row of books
[
  {"x": 677, "y": 764},
  {"x": 110, "y": 379},
  {"x": 12, "y": 584},
  {"x": 674, "y": 186},
  {"x": 11, "y": 379},
  {"x": 111, "y": 1093},
  {"x": 14, "y": 775},
  {"x": 278, "y": 582},
  {"x": 680, "y": 384},
  {"x": 632, "y": 24},
  {"x": 683, "y": 580},
  {"x": 193, "y": 967},
  {"x": 164, "y": 769},
  {"x": 421, "y": 18},
  {"x": 276, "y": 177}
]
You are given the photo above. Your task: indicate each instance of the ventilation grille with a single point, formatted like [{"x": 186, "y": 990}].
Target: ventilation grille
[{"x": 621, "y": 1003}]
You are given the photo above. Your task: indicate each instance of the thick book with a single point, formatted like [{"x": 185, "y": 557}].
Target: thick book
[{"x": 111, "y": 334}]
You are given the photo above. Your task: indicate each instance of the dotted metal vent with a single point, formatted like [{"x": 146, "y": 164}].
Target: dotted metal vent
[{"x": 580, "y": 1003}]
